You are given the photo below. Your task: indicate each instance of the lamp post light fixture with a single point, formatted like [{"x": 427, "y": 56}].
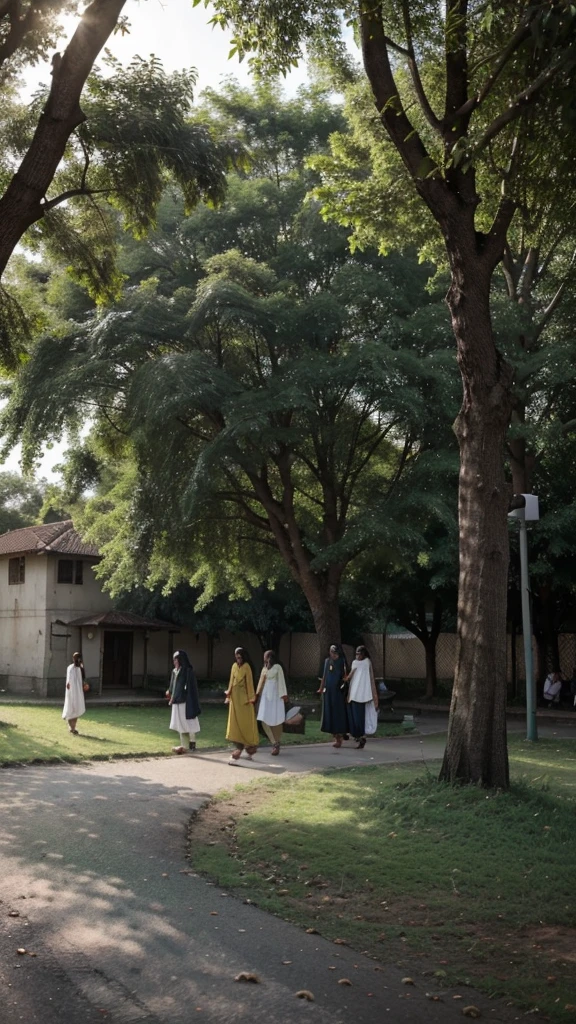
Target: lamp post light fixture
[{"x": 525, "y": 508}]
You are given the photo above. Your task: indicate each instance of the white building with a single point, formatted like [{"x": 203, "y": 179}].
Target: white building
[{"x": 51, "y": 604}]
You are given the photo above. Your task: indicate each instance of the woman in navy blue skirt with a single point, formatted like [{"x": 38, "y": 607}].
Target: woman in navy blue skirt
[{"x": 333, "y": 689}]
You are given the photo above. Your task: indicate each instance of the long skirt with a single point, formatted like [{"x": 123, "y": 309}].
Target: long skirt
[
  {"x": 74, "y": 704},
  {"x": 334, "y": 717},
  {"x": 179, "y": 722},
  {"x": 242, "y": 729},
  {"x": 357, "y": 719}
]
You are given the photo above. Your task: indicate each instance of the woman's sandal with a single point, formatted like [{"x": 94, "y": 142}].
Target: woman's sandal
[
  {"x": 361, "y": 743},
  {"x": 338, "y": 742},
  {"x": 275, "y": 750}
]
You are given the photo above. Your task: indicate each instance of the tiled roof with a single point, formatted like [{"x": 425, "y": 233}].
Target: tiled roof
[
  {"x": 125, "y": 619},
  {"x": 60, "y": 538}
]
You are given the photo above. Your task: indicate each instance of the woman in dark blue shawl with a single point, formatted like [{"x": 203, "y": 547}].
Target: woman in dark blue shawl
[
  {"x": 333, "y": 690},
  {"x": 183, "y": 698}
]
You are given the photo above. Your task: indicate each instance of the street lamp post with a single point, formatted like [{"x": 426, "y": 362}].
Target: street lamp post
[{"x": 525, "y": 507}]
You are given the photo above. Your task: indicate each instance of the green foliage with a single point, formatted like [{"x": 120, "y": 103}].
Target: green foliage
[
  {"x": 140, "y": 135},
  {"x": 259, "y": 390},
  {"x": 20, "y": 501}
]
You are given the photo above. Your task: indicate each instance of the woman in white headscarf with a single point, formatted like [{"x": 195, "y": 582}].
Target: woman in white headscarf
[
  {"x": 273, "y": 696},
  {"x": 74, "y": 703}
]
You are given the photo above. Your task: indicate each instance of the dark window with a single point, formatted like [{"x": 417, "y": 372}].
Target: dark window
[
  {"x": 16, "y": 570},
  {"x": 70, "y": 571}
]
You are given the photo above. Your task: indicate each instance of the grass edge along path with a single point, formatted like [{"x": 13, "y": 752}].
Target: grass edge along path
[
  {"x": 37, "y": 734},
  {"x": 472, "y": 887}
]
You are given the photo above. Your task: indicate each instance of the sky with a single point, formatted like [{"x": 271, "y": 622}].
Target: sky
[{"x": 181, "y": 37}]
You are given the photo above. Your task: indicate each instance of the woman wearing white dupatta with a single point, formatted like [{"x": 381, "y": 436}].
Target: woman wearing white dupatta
[
  {"x": 273, "y": 697},
  {"x": 74, "y": 704},
  {"x": 361, "y": 693}
]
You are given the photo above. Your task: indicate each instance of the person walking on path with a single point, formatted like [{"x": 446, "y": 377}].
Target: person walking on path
[
  {"x": 183, "y": 698},
  {"x": 273, "y": 696},
  {"x": 74, "y": 703},
  {"x": 242, "y": 730},
  {"x": 362, "y": 695},
  {"x": 332, "y": 687}
]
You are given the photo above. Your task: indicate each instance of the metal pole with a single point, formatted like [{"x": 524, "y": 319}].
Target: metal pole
[{"x": 531, "y": 727}]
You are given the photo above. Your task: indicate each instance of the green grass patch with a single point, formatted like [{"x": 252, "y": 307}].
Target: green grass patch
[
  {"x": 29, "y": 733},
  {"x": 474, "y": 886}
]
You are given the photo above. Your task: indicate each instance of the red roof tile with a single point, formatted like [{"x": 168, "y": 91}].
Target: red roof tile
[{"x": 60, "y": 538}]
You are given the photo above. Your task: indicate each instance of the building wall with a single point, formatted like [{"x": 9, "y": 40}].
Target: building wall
[
  {"x": 34, "y": 648},
  {"x": 23, "y": 626}
]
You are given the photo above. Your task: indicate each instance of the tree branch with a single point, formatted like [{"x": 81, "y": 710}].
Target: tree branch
[
  {"x": 72, "y": 193},
  {"x": 415, "y": 73},
  {"x": 521, "y": 101},
  {"x": 22, "y": 203},
  {"x": 467, "y": 108},
  {"x": 389, "y": 105}
]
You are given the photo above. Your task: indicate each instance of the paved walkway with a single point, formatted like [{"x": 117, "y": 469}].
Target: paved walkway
[{"x": 93, "y": 860}]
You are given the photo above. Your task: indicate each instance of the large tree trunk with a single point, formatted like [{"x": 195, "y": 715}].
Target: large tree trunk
[
  {"x": 476, "y": 748},
  {"x": 23, "y": 202},
  {"x": 323, "y": 600}
]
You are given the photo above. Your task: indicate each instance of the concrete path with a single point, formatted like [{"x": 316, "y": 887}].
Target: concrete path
[{"x": 92, "y": 859}]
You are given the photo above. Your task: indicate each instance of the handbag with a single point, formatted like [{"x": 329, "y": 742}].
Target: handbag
[
  {"x": 370, "y": 719},
  {"x": 295, "y": 721}
]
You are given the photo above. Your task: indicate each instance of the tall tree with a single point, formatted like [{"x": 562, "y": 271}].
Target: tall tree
[
  {"x": 275, "y": 405},
  {"x": 454, "y": 90}
]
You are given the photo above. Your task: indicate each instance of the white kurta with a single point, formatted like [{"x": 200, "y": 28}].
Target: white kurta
[
  {"x": 272, "y": 709},
  {"x": 74, "y": 704},
  {"x": 180, "y": 723},
  {"x": 360, "y": 683}
]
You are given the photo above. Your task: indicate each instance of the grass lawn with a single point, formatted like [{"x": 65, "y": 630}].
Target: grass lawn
[
  {"x": 467, "y": 885},
  {"x": 29, "y": 733}
]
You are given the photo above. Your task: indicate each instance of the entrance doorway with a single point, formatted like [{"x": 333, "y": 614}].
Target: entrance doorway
[{"x": 117, "y": 660}]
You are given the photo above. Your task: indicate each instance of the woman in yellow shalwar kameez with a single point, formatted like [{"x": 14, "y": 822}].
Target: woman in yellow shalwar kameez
[{"x": 242, "y": 729}]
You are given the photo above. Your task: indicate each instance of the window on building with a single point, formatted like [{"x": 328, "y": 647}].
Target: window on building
[
  {"x": 70, "y": 571},
  {"x": 16, "y": 570}
]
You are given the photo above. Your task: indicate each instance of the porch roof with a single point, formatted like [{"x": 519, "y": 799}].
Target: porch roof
[{"x": 122, "y": 620}]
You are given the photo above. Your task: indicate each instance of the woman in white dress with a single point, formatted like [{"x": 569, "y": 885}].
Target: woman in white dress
[
  {"x": 74, "y": 704},
  {"x": 361, "y": 690},
  {"x": 273, "y": 696},
  {"x": 183, "y": 698}
]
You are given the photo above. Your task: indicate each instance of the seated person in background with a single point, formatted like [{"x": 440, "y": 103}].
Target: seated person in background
[{"x": 552, "y": 689}]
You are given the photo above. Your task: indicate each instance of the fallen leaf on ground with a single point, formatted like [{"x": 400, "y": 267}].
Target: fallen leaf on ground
[
  {"x": 311, "y": 931},
  {"x": 305, "y": 994},
  {"x": 248, "y": 976},
  {"x": 13, "y": 913},
  {"x": 21, "y": 952},
  {"x": 344, "y": 981},
  {"x": 434, "y": 998},
  {"x": 339, "y": 942},
  {"x": 285, "y": 962},
  {"x": 407, "y": 981},
  {"x": 471, "y": 1011},
  {"x": 165, "y": 874},
  {"x": 213, "y": 913}
]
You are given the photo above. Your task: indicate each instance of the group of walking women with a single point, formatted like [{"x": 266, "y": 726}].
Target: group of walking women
[
  {"x": 240, "y": 697},
  {"x": 349, "y": 700}
]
